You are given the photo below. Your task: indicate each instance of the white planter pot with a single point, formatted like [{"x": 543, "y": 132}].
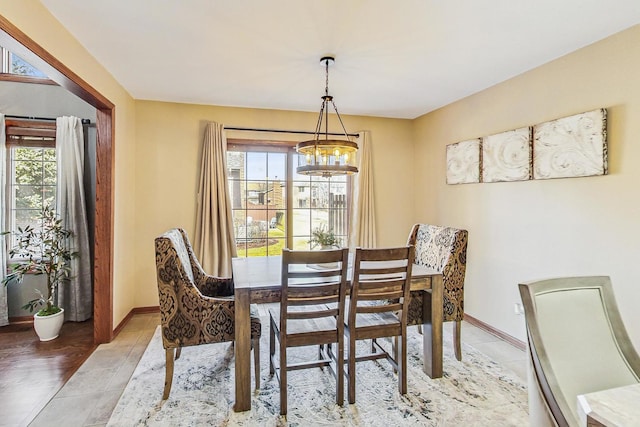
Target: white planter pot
[{"x": 48, "y": 327}]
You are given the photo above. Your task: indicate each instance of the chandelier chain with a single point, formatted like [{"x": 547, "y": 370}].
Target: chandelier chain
[{"x": 326, "y": 82}]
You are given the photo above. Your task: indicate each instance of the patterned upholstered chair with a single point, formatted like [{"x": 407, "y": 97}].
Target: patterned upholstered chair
[
  {"x": 443, "y": 249},
  {"x": 195, "y": 308}
]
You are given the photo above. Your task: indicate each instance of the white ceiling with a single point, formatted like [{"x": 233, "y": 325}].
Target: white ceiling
[{"x": 400, "y": 58}]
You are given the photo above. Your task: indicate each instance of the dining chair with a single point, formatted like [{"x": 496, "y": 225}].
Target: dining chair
[
  {"x": 311, "y": 312},
  {"x": 195, "y": 308},
  {"x": 577, "y": 344},
  {"x": 378, "y": 308},
  {"x": 443, "y": 249}
]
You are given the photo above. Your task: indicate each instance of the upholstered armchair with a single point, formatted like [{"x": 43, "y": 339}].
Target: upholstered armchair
[
  {"x": 577, "y": 344},
  {"x": 195, "y": 308},
  {"x": 443, "y": 249}
]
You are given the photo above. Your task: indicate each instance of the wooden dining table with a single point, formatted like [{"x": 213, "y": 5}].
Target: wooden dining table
[{"x": 257, "y": 280}]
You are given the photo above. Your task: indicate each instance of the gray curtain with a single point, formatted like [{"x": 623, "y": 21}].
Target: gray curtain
[
  {"x": 4, "y": 309},
  {"x": 75, "y": 296},
  {"x": 214, "y": 241}
]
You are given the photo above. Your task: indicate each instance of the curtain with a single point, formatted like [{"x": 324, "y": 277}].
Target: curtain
[
  {"x": 214, "y": 237},
  {"x": 76, "y": 295},
  {"x": 4, "y": 309},
  {"x": 363, "y": 220}
]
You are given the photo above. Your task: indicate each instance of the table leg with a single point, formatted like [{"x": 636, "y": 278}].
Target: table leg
[
  {"x": 432, "y": 306},
  {"x": 243, "y": 350}
]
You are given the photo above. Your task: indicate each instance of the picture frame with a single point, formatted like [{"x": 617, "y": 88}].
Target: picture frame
[
  {"x": 463, "y": 162},
  {"x": 506, "y": 156},
  {"x": 572, "y": 146}
]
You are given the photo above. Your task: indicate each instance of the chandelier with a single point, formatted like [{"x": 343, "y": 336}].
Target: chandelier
[{"x": 323, "y": 155}]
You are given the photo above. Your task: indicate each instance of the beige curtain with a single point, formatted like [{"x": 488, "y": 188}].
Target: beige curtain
[
  {"x": 214, "y": 241},
  {"x": 363, "y": 220}
]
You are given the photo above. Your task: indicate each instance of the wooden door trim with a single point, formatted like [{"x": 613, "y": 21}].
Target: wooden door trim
[{"x": 18, "y": 42}]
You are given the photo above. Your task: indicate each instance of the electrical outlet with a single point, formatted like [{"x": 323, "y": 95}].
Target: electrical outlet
[{"x": 518, "y": 308}]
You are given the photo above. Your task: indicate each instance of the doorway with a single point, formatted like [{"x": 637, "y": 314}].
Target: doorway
[{"x": 18, "y": 42}]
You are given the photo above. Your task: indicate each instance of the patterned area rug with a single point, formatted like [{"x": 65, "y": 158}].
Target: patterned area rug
[{"x": 474, "y": 392}]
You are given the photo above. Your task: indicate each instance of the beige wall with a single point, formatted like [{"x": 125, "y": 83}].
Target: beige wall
[
  {"x": 524, "y": 231},
  {"x": 169, "y": 139},
  {"x": 518, "y": 231},
  {"x": 34, "y": 20}
]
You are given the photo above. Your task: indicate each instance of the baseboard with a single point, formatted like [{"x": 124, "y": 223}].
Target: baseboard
[
  {"x": 145, "y": 310},
  {"x": 17, "y": 320},
  {"x": 134, "y": 311},
  {"x": 493, "y": 331}
]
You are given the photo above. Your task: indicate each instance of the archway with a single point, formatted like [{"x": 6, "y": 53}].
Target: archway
[{"x": 18, "y": 42}]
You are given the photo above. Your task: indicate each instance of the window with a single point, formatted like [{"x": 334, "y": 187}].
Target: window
[
  {"x": 17, "y": 69},
  {"x": 274, "y": 207},
  {"x": 31, "y": 175}
]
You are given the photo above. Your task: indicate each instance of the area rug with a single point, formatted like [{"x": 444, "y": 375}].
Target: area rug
[{"x": 474, "y": 392}]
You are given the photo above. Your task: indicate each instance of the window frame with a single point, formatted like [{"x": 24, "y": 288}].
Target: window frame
[
  {"x": 27, "y": 134},
  {"x": 7, "y": 75},
  {"x": 288, "y": 147}
]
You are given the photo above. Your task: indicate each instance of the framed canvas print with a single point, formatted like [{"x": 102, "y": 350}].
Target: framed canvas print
[
  {"x": 571, "y": 146},
  {"x": 463, "y": 162},
  {"x": 506, "y": 156}
]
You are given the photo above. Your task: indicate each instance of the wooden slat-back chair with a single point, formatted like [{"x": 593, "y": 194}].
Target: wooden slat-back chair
[
  {"x": 311, "y": 313},
  {"x": 378, "y": 308}
]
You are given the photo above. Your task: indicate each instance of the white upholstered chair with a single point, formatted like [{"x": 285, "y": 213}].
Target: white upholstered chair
[{"x": 577, "y": 344}]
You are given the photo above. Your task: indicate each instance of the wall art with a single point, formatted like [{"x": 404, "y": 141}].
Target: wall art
[
  {"x": 506, "y": 156},
  {"x": 463, "y": 162},
  {"x": 571, "y": 146}
]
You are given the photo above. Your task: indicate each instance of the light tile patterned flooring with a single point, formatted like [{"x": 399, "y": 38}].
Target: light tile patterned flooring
[{"x": 91, "y": 394}]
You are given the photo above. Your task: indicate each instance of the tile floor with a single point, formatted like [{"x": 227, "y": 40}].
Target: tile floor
[{"x": 90, "y": 395}]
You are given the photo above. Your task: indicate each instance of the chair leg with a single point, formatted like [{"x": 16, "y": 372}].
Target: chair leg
[
  {"x": 394, "y": 350},
  {"x": 456, "y": 339},
  {"x": 178, "y": 352},
  {"x": 256, "y": 361},
  {"x": 420, "y": 328},
  {"x": 351, "y": 382},
  {"x": 272, "y": 348},
  {"x": 283, "y": 379},
  {"x": 402, "y": 363},
  {"x": 340, "y": 372},
  {"x": 168, "y": 376}
]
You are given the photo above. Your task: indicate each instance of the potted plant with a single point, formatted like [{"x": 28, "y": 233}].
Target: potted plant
[
  {"x": 324, "y": 238},
  {"x": 43, "y": 250}
]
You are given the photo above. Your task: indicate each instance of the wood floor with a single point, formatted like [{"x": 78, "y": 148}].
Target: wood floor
[{"x": 31, "y": 372}]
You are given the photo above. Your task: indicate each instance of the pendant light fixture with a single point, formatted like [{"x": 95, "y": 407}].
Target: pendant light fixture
[{"x": 324, "y": 155}]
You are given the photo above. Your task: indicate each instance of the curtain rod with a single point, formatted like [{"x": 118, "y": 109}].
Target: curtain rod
[
  {"x": 306, "y": 132},
  {"x": 10, "y": 116}
]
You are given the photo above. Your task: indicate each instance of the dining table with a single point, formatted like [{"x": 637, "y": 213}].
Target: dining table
[{"x": 257, "y": 281}]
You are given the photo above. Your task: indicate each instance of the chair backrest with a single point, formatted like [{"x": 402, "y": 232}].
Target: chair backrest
[
  {"x": 381, "y": 282},
  {"x": 313, "y": 278},
  {"x": 444, "y": 249},
  {"x": 180, "y": 299},
  {"x": 577, "y": 341},
  {"x": 196, "y": 269},
  {"x": 207, "y": 285}
]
